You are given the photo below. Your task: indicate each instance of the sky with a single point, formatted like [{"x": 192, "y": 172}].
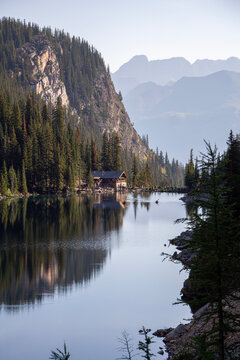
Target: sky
[{"x": 159, "y": 29}]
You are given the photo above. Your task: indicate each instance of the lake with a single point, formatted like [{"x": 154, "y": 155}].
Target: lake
[{"x": 82, "y": 269}]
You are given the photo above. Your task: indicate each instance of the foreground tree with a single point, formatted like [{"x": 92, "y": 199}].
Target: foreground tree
[
  {"x": 145, "y": 345},
  {"x": 215, "y": 269}
]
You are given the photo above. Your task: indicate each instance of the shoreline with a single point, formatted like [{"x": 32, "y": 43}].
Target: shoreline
[{"x": 96, "y": 191}]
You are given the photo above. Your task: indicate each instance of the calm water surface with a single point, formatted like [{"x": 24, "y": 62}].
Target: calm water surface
[{"x": 82, "y": 269}]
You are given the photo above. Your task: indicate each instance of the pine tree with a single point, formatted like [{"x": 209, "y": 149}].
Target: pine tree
[
  {"x": 94, "y": 155},
  {"x": 190, "y": 172},
  {"x": 145, "y": 345},
  {"x": 90, "y": 180},
  {"x": 116, "y": 152},
  {"x": 105, "y": 151},
  {"x": 13, "y": 180},
  {"x": 59, "y": 123},
  {"x": 161, "y": 159},
  {"x": 58, "y": 170},
  {"x": 23, "y": 187},
  {"x": 148, "y": 175},
  {"x": 3, "y": 185},
  {"x": 232, "y": 171},
  {"x": 71, "y": 178},
  {"x": 5, "y": 174}
]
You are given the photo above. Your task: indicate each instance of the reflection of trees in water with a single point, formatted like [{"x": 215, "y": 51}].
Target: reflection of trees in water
[
  {"x": 49, "y": 242},
  {"x": 142, "y": 195}
]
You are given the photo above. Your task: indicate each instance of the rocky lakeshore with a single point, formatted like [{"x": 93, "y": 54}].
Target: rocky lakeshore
[{"x": 179, "y": 341}]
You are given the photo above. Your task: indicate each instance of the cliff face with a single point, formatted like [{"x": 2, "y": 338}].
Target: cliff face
[
  {"x": 45, "y": 71},
  {"x": 117, "y": 119},
  {"x": 45, "y": 79}
]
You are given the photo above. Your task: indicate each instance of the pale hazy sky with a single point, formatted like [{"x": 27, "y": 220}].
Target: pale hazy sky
[{"x": 160, "y": 29}]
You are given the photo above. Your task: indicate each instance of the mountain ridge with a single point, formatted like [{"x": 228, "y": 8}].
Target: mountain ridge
[{"x": 167, "y": 70}]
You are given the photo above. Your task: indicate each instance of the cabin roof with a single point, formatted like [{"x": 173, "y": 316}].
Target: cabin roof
[{"x": 108, "y": 174}]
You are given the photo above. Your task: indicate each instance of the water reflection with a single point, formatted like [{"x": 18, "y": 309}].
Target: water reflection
[{"x": 54, "y": 242}]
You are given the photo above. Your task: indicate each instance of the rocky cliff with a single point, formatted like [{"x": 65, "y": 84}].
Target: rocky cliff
[
  {"x": 45, "y": 71},
  {"x": 117, "y": 119}
]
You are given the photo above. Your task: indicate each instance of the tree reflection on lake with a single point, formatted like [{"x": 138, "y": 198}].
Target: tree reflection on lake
[{"x": 50, "y": 243}]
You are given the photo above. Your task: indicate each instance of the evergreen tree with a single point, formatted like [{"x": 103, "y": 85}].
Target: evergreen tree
[
  {"x": 59, "y": 170},
  {"x": 105, "y": 151},
  {"x": 215, "y": 268},
  {"x": 13, "y": 180},
  {"x": 59, "y": 123},
  {"x": 161, "y": 159},
  {"x": 148, "y": 175},
  {"x": 23, "y": 187},
  {"x": 190, "y": 172},
  {"x": 116, "y": 152},
  {"x": 232, "y": 171},
  {"x": 94, "y": 155},
  {"x": 3, "y": 184},
  {"x": 145, "y": 345},
  {"x": 90, "y": 180},
  {"x": 5, "y": 174}
]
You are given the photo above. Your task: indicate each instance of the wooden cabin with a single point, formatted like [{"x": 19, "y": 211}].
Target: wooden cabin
[{"x": 110, "y": 179}]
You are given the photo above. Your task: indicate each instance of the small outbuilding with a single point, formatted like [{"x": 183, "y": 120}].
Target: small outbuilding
[{"x": 110, "y": 179}]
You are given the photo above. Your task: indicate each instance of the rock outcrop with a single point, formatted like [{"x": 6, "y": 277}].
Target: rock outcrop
[
  {"x": 116, "y": 118},
  {"x": 46, "y": 81},
  {"x": 179, "y": 342}
]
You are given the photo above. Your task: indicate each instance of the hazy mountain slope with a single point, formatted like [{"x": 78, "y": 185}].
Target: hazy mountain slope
[
  {"x": 140, "y": 70},
  {"x": 143, "y": 99},
  {"x": 179, "y": 117},
  {"x": 202, "y": 93}
]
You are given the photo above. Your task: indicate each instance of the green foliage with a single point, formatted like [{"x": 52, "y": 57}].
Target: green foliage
[
  {"x": 145, "y": 345},
  {"x": 191, "y": 173},
  {"x": 3, "y": 185},
  {"x": 23, "y": 187},
  {"x": 13, "y": 180},
  {"x": 116, "y": 152},
  {"x": 90, "y": 180},
  {"x": 232, "y": 172}
]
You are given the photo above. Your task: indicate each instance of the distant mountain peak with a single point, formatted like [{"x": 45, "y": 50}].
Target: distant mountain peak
[{"x": 139, "y": 58}]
